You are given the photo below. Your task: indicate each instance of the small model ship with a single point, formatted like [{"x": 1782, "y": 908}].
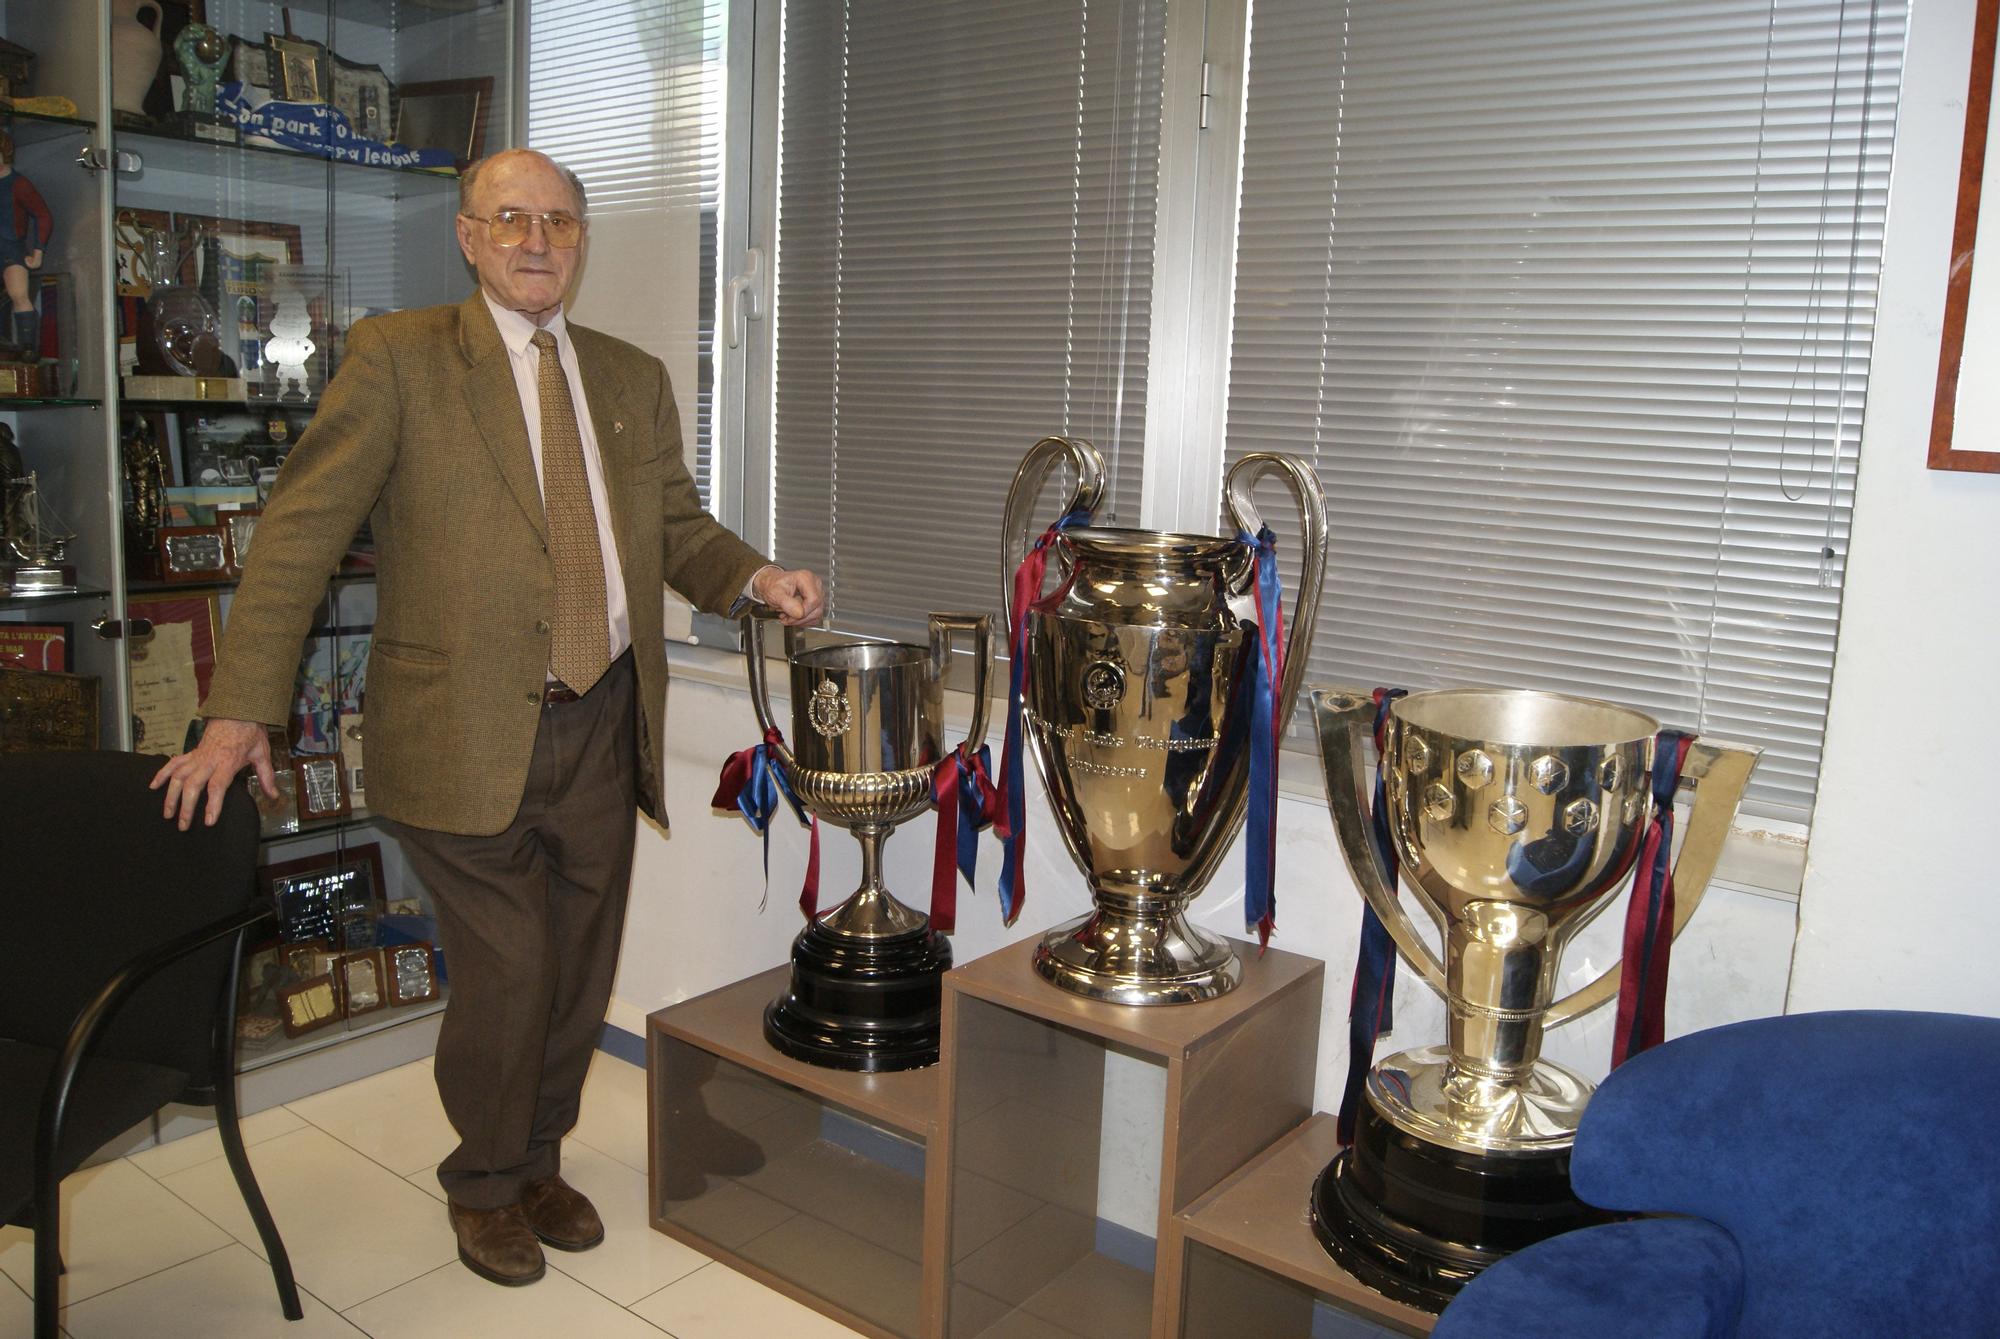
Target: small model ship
[{"x": 31, "y": 532}]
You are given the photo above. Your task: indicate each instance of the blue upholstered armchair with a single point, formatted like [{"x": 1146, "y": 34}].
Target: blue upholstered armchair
[{"x": 1839, "y": 1173}]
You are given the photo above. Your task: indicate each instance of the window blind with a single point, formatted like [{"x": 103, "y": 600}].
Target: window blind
[
  {"x": 652, "y": 172},
  {"x": 1570, "y": 304},
  {"x": 964, "y": 265}
]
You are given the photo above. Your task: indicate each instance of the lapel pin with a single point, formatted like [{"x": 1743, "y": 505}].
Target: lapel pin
[{"x": 617, "y": 426}]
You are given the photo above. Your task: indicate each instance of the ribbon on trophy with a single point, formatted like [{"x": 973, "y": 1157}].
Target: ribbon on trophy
[
  {"x": 967, "y": 804},
  {"x": 753, "y": 784},
  {"x": 1371, "y": 1008},
  {"x": 1649, "y": 918},
  {"x": 1267, "y": 674},
  {"x": 1012, "y": 824}
]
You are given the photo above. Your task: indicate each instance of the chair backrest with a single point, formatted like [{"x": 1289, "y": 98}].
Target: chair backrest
[
  {"x": 91, "y": 876},
  {"x": 1847, "y": 1153}
]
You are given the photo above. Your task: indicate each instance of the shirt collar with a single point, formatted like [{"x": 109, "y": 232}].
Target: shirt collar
[{"x": 517, "y": 332}]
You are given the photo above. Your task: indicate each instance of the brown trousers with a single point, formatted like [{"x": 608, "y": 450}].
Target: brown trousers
[{"x": 529, "y": 921}]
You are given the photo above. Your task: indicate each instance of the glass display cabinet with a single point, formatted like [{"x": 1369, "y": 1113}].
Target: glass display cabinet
[{"x": 208, "y": 194}]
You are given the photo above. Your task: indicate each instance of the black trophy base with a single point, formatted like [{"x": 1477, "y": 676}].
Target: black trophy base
[
  {"x": 861, "y": 1004},
  {"x": 1415, "y": 1220}
]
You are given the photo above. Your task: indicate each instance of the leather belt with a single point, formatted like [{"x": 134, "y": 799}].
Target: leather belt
[{"x": 555, "y": 692}]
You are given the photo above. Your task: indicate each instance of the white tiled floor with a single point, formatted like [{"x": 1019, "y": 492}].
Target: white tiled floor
[{"x": 159, "y": 1244}]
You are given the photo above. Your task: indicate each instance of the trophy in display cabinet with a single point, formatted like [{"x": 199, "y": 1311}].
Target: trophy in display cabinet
[
  {"x": 30, "y": 532},
  {"x": 202, "y": 53},
  {"x": 179, "y": 334},
  {"x": 1513, "y": 817},
  {"x": 1150, "y": 684},
  {"x": 865, "y": 754}
]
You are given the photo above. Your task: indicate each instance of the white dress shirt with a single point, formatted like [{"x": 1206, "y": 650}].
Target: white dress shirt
[{"x": 517, "y": 332}]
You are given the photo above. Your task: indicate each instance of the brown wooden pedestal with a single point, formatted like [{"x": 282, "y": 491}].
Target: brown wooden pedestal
[
  {"x": 834, "y": 1217},
  {"x": 1022, "y": 1107},
  {"x": 963, "y": 1201}
]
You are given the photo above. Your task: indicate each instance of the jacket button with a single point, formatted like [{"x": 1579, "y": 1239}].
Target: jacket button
[
  {"x": 542, "y": 626},
  {"x": 535, "y": 698}
]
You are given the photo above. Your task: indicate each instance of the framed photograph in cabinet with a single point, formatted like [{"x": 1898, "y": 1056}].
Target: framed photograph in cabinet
[
  {"x": 309, "y": 1006},
  {"x": 361, "y": 987},
  {"x": 412, "y": 973},
  {"x": 143, "y": 240},
  {"x": 446, "y": 114},
  {"x": 364, "y": 95},
  {"x": 203, "y": 615},
  {"x": 230, "y": 262},
  {"x": 44, "y": 711},
  {"x": 240, "y": 526},
  {"x": 36, "y": 646},
  {"x": 1966, "y": 409},
  {"x": 320, "y": 783},
  {"x": 310, "y": 893},
  {"x": 193, "y": 553},
  {"x": 300, "y": 68}
]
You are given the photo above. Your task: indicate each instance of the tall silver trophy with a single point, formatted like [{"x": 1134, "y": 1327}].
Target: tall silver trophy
[
  {"x": 1131, "y": 710},
  {"x": 1515, "y": 817},
  {"x": 866, "y": 740}
]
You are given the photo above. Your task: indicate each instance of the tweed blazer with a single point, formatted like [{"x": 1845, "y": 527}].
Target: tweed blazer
[{"x": 422, "y": 433}]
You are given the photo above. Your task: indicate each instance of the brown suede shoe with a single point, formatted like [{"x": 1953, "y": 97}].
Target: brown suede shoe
[
  {"x": 497, "y": 1244},
  {"x": 560, "y": 1214}
]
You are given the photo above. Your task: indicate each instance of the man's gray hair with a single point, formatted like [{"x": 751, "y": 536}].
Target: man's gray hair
[{"x": 468, "y": 181}]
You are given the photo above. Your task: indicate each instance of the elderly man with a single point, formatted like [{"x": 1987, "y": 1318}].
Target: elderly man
[{"x": 524, "y": 481}]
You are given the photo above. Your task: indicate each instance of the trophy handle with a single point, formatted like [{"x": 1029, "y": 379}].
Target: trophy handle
[
  {"x": 1344, "y": 716},
  {"x": 754, "y": 619},
  {"x": 1041, "y": 460},
  {"x": 943, "y": 626},
  {"x": 1311, "y": 500},
  {"x": 1717, "y": 773}
]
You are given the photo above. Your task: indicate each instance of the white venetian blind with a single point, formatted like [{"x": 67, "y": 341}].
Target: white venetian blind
[
  {"x": 628, "y": 94},
  {"x": 964, "y": 266},
  {"x": 1571, "y": 306}
]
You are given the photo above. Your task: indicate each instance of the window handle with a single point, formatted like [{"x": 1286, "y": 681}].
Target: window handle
[{"x": 744, "y": 298}]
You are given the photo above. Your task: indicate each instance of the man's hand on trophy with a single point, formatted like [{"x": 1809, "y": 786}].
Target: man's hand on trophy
[
  {"x": 797, "y": 595},
  {"x": 226, "y": 747}
]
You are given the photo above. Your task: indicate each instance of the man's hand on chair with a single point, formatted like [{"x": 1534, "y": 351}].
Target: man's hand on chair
[{"x": 212, "y": 766}]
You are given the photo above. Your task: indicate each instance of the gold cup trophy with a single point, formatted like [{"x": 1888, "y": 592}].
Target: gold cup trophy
[{"x": 1515, "y": 817}]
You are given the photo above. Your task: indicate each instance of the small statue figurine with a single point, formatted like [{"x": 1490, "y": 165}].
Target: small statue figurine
[
  {"x": 25, "y": 231},
  {"x": 202, "y": 53}
]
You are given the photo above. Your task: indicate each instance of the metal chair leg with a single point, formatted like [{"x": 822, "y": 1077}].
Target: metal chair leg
[
  {"x": 48, "y": 1255},
  {"x": 239, "y": 1160}
]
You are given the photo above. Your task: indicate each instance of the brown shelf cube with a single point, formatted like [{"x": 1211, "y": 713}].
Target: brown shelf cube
[
  {"x": 1259, "y": 1216},
  {"x": 1022, "y": 1110},
  {"x": 834, "y": 1215}
]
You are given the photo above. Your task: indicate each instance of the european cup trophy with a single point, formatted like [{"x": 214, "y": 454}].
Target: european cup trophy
[
  {"x": 1515, "y": 818},
  {"x": 1142, "y": 683},
  {"x": 865, "y": 747}
]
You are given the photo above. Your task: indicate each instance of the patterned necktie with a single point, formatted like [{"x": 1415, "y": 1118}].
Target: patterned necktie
[{"x": 580, "y": 650}]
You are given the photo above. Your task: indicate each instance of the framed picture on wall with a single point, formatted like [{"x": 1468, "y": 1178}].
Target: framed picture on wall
[{"x": 1965, "y": 415}]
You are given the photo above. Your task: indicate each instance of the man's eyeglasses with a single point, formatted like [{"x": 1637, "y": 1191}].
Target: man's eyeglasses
[{"x": 510, "y": 227}]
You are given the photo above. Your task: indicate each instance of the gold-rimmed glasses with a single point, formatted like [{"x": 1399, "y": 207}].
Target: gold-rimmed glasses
[{"x": 510, "y": 227}]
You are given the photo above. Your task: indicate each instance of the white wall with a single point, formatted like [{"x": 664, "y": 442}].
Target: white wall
[{"x": 1898, "y": 909}]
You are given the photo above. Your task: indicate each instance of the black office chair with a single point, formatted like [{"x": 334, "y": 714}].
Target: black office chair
[{"x": 119, "y": 939}]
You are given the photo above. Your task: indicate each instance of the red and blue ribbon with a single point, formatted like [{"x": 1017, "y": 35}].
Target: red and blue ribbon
[
  {"x": 1267, "y": 675},
  {"x": 754, "y": 784},
  {"x": 1371, "y": 1008},
  {"x": 1649, "y": 918},
  {"x": 967, "y": 804},
  {"x": 1013, "y": 821}
]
